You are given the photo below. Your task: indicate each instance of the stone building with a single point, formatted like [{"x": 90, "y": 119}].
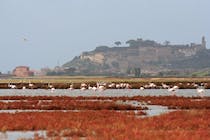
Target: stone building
[{"x": 22, "y": 71}]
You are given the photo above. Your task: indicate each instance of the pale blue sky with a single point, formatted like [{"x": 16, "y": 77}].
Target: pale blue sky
[{"x": 58, "y": 30}]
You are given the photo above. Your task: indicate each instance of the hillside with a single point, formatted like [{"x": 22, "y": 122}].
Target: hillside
[{"x": 142, "y": 56}]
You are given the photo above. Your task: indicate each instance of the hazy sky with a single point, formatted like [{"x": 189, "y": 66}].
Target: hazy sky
[{"x": 58, "y": 30}]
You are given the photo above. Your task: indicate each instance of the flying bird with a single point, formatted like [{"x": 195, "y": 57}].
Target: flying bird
[{"x": 25, "y": 39}]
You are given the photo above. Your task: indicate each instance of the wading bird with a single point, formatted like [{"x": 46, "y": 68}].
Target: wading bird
[
  {"x": 30, "y": 85},
  {"x": 52, "y": 89},
  {"x": 173, "y": 90},
  {"x": 141, "y": 88},
  {"x": 12, "y": 86},
  {"x": 200, "y": 91},
  {"x": 71, "y": 87}
]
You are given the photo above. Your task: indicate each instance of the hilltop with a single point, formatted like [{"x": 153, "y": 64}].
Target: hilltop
[{"x": 141, "y": 57}]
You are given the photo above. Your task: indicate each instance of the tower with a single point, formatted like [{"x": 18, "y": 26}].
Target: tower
[{"x": 203, "y": 44}]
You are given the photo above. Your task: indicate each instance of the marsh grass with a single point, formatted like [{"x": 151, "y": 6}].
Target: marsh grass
[{"x": 89, "y": 79}]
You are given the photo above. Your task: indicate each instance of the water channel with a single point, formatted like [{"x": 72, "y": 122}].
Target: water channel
[{"x": 108, "y": 92}]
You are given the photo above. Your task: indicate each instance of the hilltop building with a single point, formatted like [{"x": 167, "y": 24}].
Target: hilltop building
[
  {"x": 203, "y": 42},
  {"x": 22, "y": 71}
]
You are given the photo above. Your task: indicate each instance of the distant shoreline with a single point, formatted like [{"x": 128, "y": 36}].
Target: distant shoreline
[{"x": 63, "y": 82}]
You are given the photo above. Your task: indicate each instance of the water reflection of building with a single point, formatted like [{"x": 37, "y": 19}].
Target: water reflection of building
[{"x": 22, "y": 71}]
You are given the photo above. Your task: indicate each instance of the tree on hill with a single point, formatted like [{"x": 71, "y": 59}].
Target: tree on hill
[
  {"x": 102, "y": 48},
  {"x": 117, "y": 43},
  {"x": 137, "y": 72},
  {"x": 166, "y": 43},
  {"x": 132, "y": 43}
]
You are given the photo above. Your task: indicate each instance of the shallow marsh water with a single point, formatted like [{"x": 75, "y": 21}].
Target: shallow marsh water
[
  {"x": 108, "y": 92},
  {"x": 153, "y": 110},
  {"x": 20, "y": 135}
]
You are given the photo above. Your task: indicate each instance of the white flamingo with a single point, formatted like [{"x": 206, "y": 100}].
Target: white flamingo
[
  {"x": 52, "y": 89},
  {"x": 128, "y": 86},
  {"x": 94, "y": 88},
  {"x": 12, "y": 86},
  {"x": 200, "y": 91},
  {"x": 195, "y": 85},
  {"x": 173, "y": 90},
  {"x": 165, "y": 86},
  {"x": 141, "y": 88},
  {"x": 112, "y": 85},
  {"x": 118, "y": 86},
  {"x": 101, "y": 88},
  {"x": 30, "y": 85},
  {"x": 83, "y": 86},
  {"x": 50, "y": 86},
  {"x": 71, "y": 87}
]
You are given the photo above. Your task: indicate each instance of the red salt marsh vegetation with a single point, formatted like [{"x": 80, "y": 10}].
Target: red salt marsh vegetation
[
  {"x": 174, "y": 102},
  {"x": 65, "y": 105},
  {"x": 104, "y": 124},
  {"x": 98, "y": 103},
  {"x": 107, "y": 117}
]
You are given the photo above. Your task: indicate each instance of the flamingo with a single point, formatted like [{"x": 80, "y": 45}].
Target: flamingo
[
  {"x": 101, "y": 87},
  {"x": 50, "y": 86},
  {"x": 118, "y": 86},
  {"x": 200, "y": 91},
  {"x": 152, "y": 85},
  {"x": 165, "y": 86},
  {"x": 112, "y": 85},
  {"x": 52, "y": 89},
  {"x": 83, "y": 86},
  {"x": 128, "y": 86},
  {"x": 12, "y": 86},
  {"x": 195, "y": 85},
  {"x": 94, "y": 88},
  {"x": 89, "y": 87},
  {"x": 173, "y": 90},
  {"x": 71, "y": 87},
  {"x": 141, "y": 88},
  {"x": 30, "y": 85}
]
